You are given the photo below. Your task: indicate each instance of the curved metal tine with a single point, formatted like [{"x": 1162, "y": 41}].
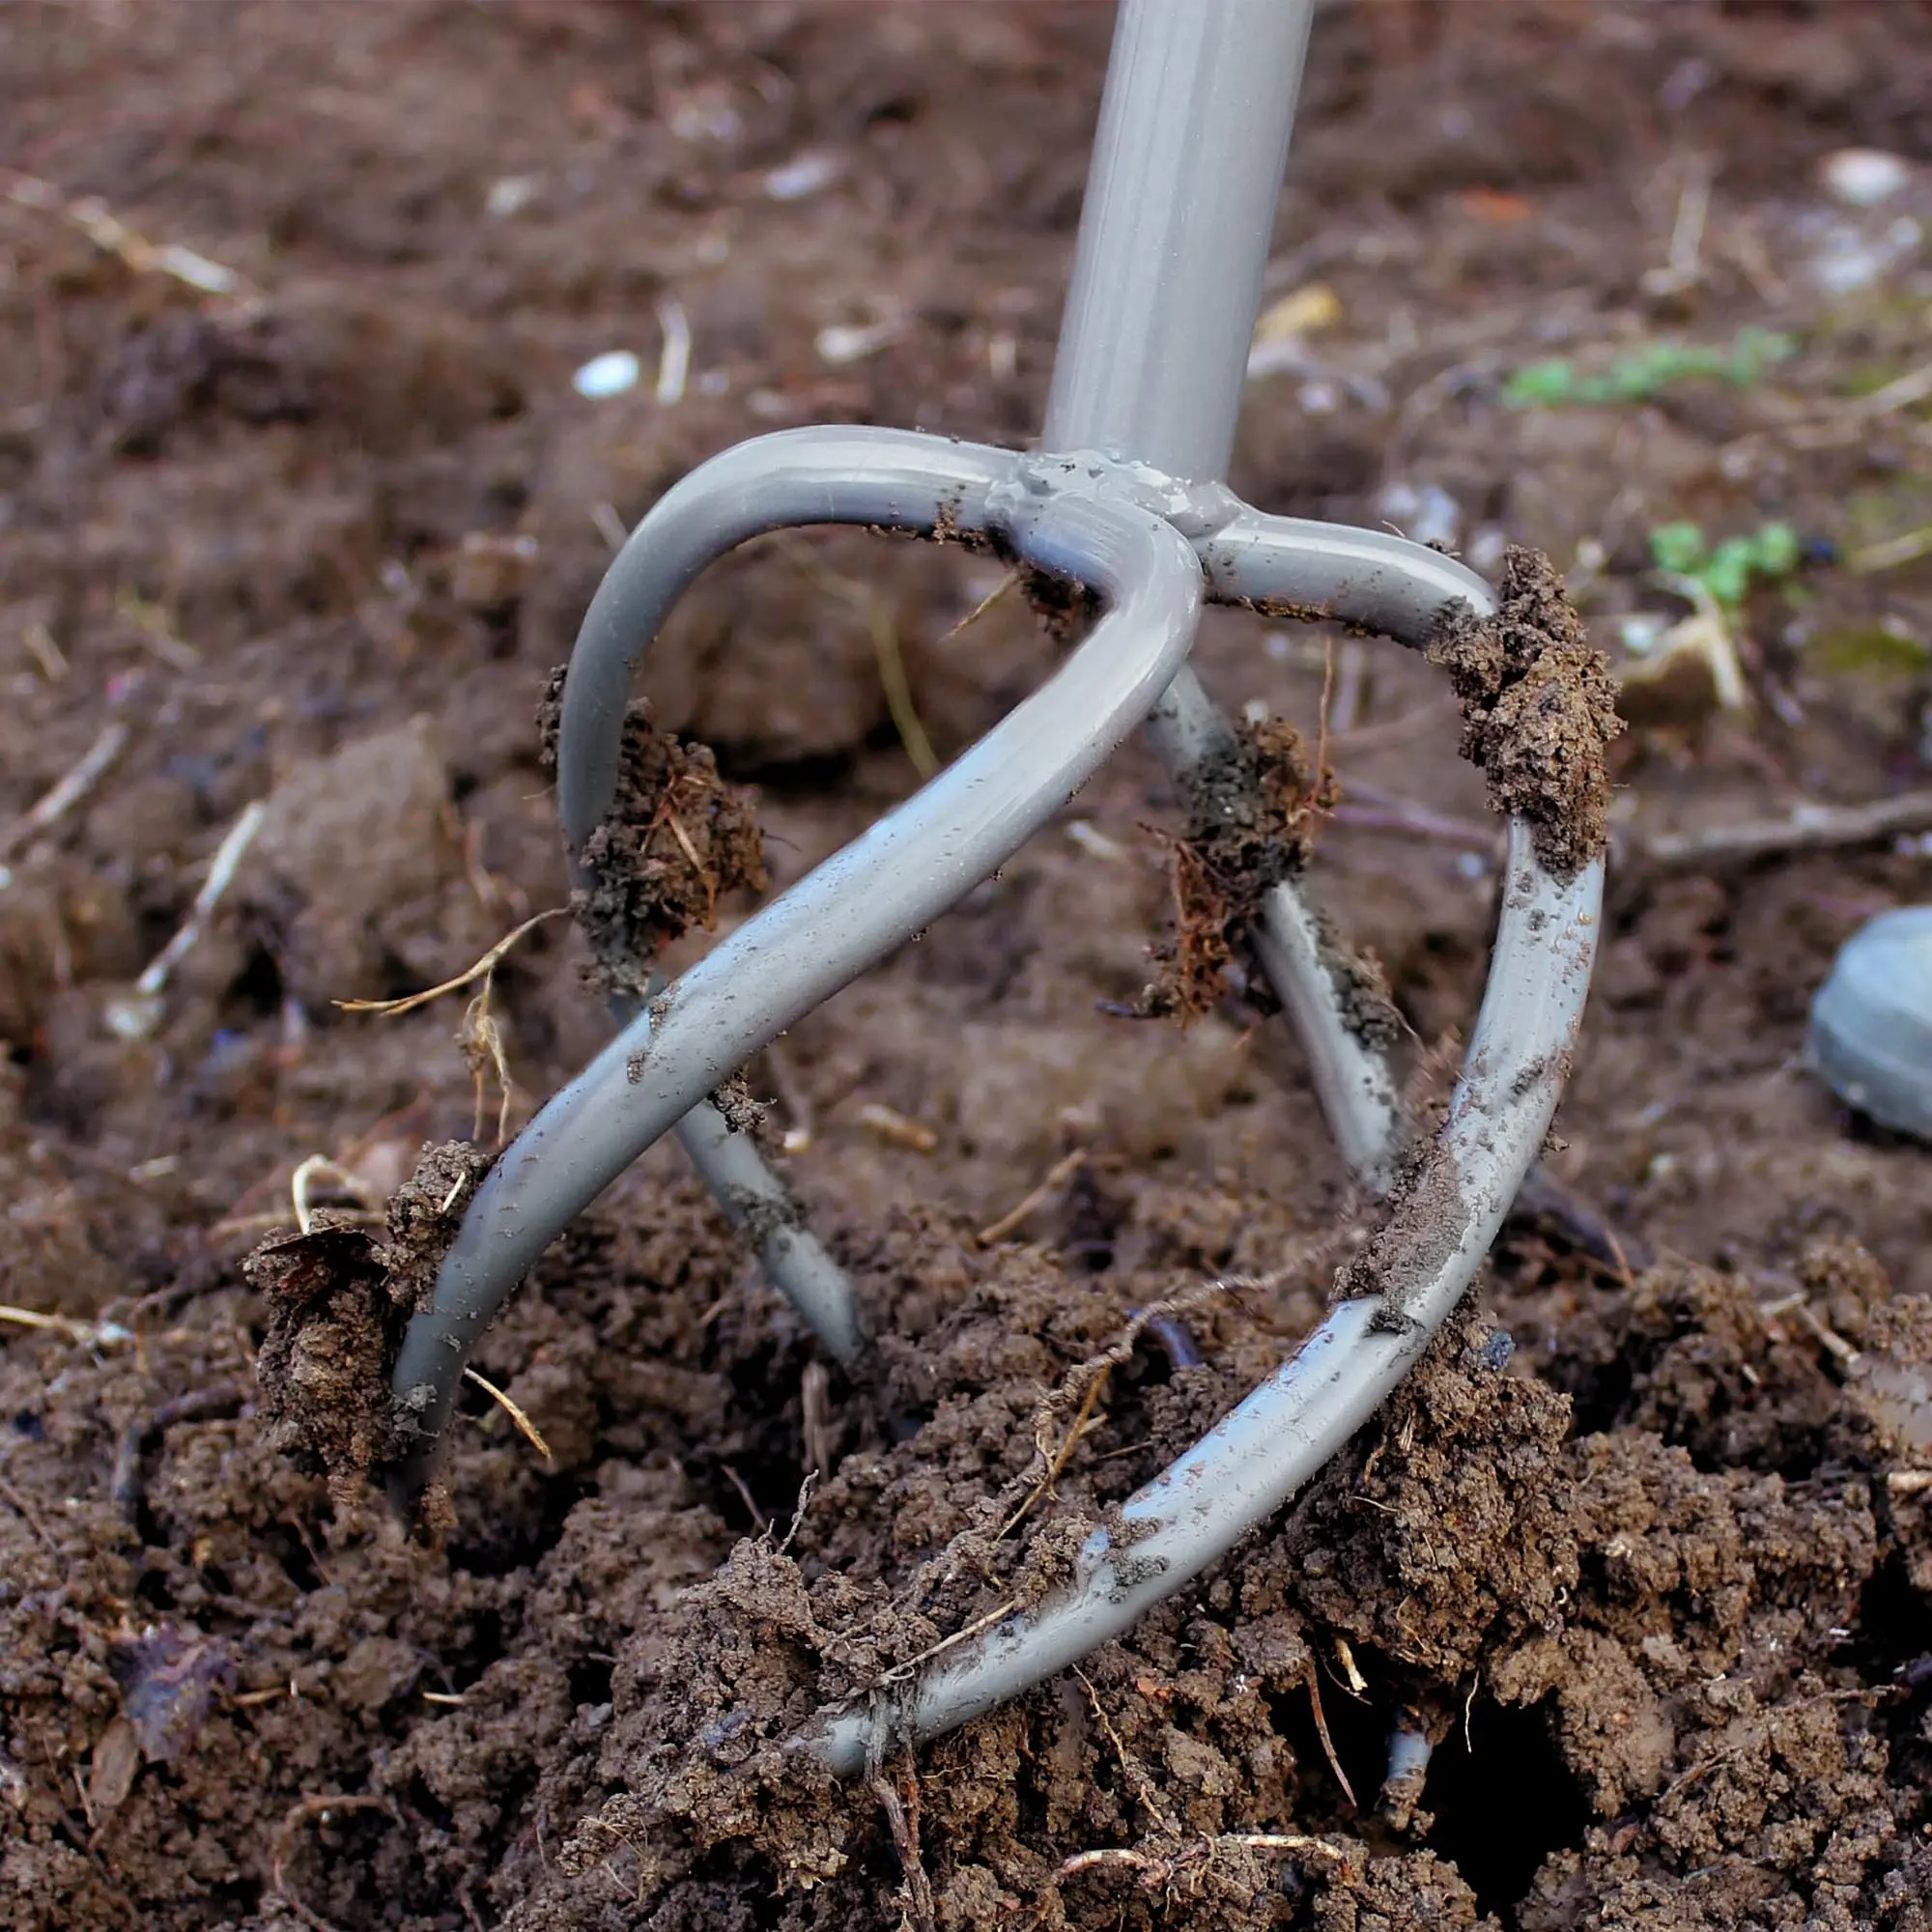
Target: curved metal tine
[
  {"x": 843, "y": 917},
  {"x": 1377, "y": 582},
  {"x": 770, "y": 1217},
  {"x": 1280, "y": 1435},
  {"x": 881, "y": 477},
  {"x": 884, "y": 478}
]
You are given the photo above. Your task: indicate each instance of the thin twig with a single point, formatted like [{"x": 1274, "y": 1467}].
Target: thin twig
[
  {"x": 1089, "y": 1375},
  {"x": 1351, "y": 1673},
  {"x": 981, "y": 608},
  {"x": 816, "y": 1403},
  {"x": 525, "y": 1425},
  {"x": 80, "y": 780},
  {"x": 876, "y": 613},
  {"x": 1892, "y": 552},
  {"x": 893, "y": 1127},
  {"x": 745, "y": 1497},
  {"x": 1370, "y": 809},
  {"x": 88, "y": 1334},
  {"x": 1420, "y": 723},
  {"x": 1075, "y": 1429},
  {"x": 484, "y": 966},
  {"x": 94, "y": 218},
  {"x": 45, "y": 652},
  {"x": 1157, "y": 1869},
  {"x": 221, "y": 869},
  {"x": 1314, "y": 1681},
  {"x": 482, "y": 1041},
  {"x": 999, "y": 1614},
  {"x": 1057, "y": 1176},
  {"x": 158, "y": 632},
  {"x": 1131, "y": 1766},
  {"x": 1680, "y": 270},
  {"x": 319, "y": 1167},
  {"x": 697, "y": 864},
  {"x": 1847, "y": 421},
  {"x": 674, "y": 358},
  {"x": 1812, "y": 827},
  {"x": 903, "y": 1821}
]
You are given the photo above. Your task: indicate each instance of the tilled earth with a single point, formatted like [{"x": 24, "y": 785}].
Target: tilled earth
[{"x": 1643, "y": 1555}]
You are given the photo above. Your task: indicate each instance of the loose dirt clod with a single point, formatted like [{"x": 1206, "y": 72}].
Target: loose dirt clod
[
  {"x": 1251, "y": 818},
  {"x": 676, "y": 840},
  {"x": 338, "y": 1301},
  {"x": 1539, "y": 709}
]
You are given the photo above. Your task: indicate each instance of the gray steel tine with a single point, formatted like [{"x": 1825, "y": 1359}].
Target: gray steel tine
[
  {"x": 844, "y": 917},
  {"x": 1261, "y": 1454},
  {"x": 770, "y": 1217},
  {"x": 882, "y": 478},
  {"x": 1136, "y": 387}
]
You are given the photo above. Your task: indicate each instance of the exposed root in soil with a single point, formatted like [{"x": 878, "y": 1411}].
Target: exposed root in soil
[
  {"x": 1539, "y": 709},
  {"x": 1251, "y": 818},
  {"x": 676, "y": 840}
]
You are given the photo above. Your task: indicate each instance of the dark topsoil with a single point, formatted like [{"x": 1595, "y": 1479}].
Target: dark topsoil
[{"x": 1656, "y": 1587}]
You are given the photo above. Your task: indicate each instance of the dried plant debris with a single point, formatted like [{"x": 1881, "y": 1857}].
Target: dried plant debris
[
  {"x": 171, "y": 1679},
  {"x": 339, "y": 1298},
  {"x": 1251, "y": 816},
  {"x": 676, "y": 840},
  {"x": 1539, "y": 709}
]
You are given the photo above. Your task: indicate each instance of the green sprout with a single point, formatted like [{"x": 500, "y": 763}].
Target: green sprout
[
  {"x": 1729, "y": 569},
  {"x": 1646, "y": 372}
]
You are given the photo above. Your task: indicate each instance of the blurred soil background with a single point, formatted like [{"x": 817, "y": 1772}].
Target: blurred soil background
[{"x": 301, "y": 496}]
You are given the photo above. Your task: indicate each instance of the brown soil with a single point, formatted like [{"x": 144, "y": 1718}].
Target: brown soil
[
  {"x": 1251, "y": 819},
  {"x": 1645, "y": 1554},
  {"x": 675, "y": 839},
  {"x": 1539, "y": 709}
]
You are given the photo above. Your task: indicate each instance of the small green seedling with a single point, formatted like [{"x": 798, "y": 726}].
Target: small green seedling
[
  {"x": 1730, "y": 569},
  {"x": 1646, "y": 372}
]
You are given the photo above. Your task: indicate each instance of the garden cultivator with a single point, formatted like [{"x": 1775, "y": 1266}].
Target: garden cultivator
[{"x": 1125, "y": 499}]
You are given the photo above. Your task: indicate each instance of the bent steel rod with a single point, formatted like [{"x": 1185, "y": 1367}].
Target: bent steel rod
[{"x": 1116, "y": 389}]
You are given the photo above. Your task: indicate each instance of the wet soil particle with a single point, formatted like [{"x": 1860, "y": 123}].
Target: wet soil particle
[
  {"x": 1539, "y": 709},
  {"x": 1251, "y": 816},
  {"x": 676, "y": 840}
]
